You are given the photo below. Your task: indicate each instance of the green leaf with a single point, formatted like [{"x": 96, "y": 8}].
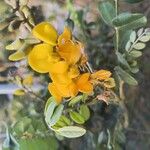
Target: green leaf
[
  {"x": 127, "y": 78},
  {"x": 135, "y": 53},
  {"x": 16, "y": 45},
  {"x": 140, "y": 31},
  {"x": 122, "y": 60},
  {"x": 51, "y": 104},
  {"x": 59, "y": 124},
  {"x": 76, "y": 117},
  {"x": 133, "y": 1},
  {"x": 128, "y": 21},
  {"x": 17, "y": 56},
  {"x": 134, "y": 63},
  {"x": 71, "y": 131},
  {"x": 128, "y": 45},
  {"x": 65, "y": 119},
  {"x": 124, "y": 38},
  {"x": 48, "y": 103},
  {"x": 56, "y": 115},
  {"x": 75, "y": 100},
  {"x": 145, "y": 38},
  {"x": 85, "y": 112},
  {"x": 48, "y": 143},
  {"x": 107, "y": 11},
  {"x": 134, "y": 69},
  {"x": 139, "y": 46},
  {"x": 133, "y": 36}
]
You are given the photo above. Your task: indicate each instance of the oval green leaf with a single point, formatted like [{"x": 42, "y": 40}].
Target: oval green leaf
[
  {"x": 76, "y": 117},
  {"x": 85, "y": 112},
  {"x": 135, "y": 53},
  {"x": 107, "y": 12},
  {"x": 71, "y": 131},
  {"x": 56, "y": 115},
  {"x": 75, "y": 100},
  {"x": 128, "y": 21},
  {"x": 49, "y": 110},
  {"x": 126, "y": 77},
  {"x": 139, "y": 46}
]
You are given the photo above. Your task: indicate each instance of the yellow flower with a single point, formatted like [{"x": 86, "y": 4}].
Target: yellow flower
[
  {"x": 66, "y": 77},
  {"x": 83, "y": 83},
  {"x": 68, "y": 50},
  {"x": 42, "y": 59},
  {"x": 59, "y": 91},
  {"x": 101, "y": 75},
  {"x": 46, "y": 33}
]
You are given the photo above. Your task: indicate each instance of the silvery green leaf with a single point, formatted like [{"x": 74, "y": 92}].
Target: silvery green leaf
[
  {"x": 51, "y": 99},
  {"x": 139, "y": 46},
  {"x": 145, "y": 38},
  {"x": 134, "y": 63},
  {"x": 147, "y": 30},
  {"x": 133, "y": 36},
  {"x": 71, "y": 131},
  {"x": 56, "y": 115},
  {"x": 134, "y": 69},
  {"x": 135, "y": 53},
  {"x": 125, "y": 76},
  {"x": 122, "y": 60},
  {"x": 128, "y": 45},
  {"x": 128, "y": 21},
  {"x": 140, "y": 31},
  {"x": 50, "y": 110},
  {"x": 107, "y": 11}
]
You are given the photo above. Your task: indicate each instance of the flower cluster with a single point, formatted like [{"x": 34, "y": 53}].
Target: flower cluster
[{"x": 63, "y": 58}]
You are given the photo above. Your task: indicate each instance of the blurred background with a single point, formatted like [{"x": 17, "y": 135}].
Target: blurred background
[{"x": 98, "y": 41}]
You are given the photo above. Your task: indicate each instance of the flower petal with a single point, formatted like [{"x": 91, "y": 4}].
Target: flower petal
[
  {"x": 65, "y": 36},
  {"x": 45, "y": 32},
  {"x": 58, "y": 67},
  {"x": 60, "y": 78},
  {"x": 54, "y": 92},
  {"x": 101, "y": 75},
  {"x": 40, "y": 58},
  {"x": 70, "y": 52},
  {"x": 83, "y": 83},
  {"x": 73, "y": 72}
]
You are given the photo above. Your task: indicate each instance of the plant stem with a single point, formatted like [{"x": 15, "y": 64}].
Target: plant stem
[
  {"x": 116, "y": 6},
  {"x": 121, "y": 93},
  {"x": 117, "y": 39},
  {"x": 116, "y": 29}
]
